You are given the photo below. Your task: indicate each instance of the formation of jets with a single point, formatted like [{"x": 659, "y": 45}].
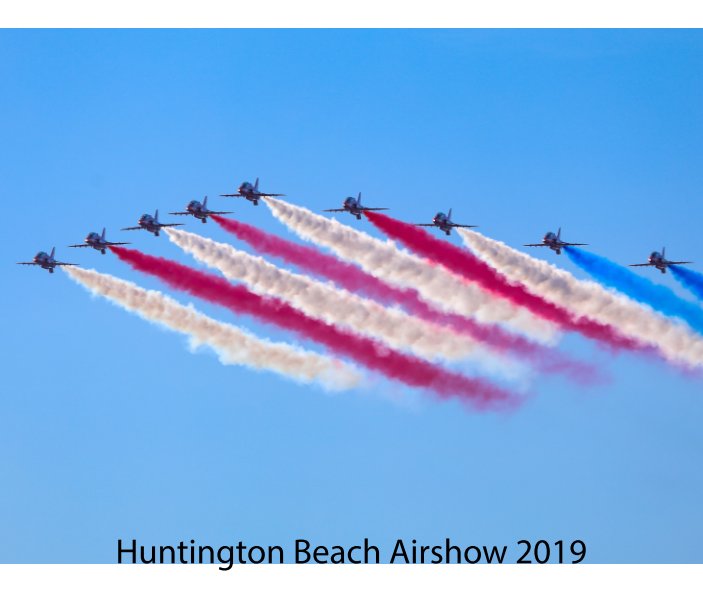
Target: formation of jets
[{"x": 350, "y": 205}]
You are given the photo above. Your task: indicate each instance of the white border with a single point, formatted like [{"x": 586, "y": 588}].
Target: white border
[
  {"x": 315, "y": 583},
  {"x": 352, "y": 13}
]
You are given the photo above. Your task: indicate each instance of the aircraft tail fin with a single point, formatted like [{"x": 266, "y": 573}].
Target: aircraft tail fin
[
  {"x": 256, "y": 184},
  {"x": 358, "y": 199},
  {"x": 449, "y": 214},
  {"x": 156, "y": 215},
  {"x": 559, "y": 233},
  {"x": 664, "y": 252},
  {"x": 53, "y": 250},
  {"x": 103, "y": 235},
  {"x": 205, "y": 202}
]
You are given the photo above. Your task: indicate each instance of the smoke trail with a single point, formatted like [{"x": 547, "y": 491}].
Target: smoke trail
[
  {"x": 337, "y": 306},
  {"x": 480, "y": 394},
  {"x": 233, "y": 345},
  {"x": 691, "y": 280},
  {"x": 657, "y": 296},
  {"x": 314, "y": 261},
  {"x": 353, "y": 278},
  {"x": 383, "y": 259},
  {"x": 467, "y": 265},
  {"x": 674, "y": 341}
]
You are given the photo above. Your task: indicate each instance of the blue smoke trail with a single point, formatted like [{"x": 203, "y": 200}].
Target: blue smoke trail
[
  {"x": 691, "y": 280},
  {"x": 657, "y": 296}
]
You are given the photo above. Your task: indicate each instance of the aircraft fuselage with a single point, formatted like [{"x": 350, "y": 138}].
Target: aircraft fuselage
[
  {"x": 198, "y": 210},
  {"x": 149, "y": 223},
  {"x": 552, "y": 241},
  {"x": 248, "y": 191},
  {"x": 352, "y": 206},
  {"x": 442, "y": 222},
  {"x": 43, "y": 260},
  {"x": 95, "y": 241},
  {"x": 658, "y": 261}
]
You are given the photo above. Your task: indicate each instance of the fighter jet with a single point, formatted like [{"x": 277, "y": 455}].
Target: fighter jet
[
  {"x": 198, "y": 210},
  {"x": 151, "y": 223},
  {"x": 46, "y": 261},
  {"x": 251, "y": 192},
  {"x": 659, "y": 261},
  {"x": 554, "y": 242},
  {"x": 354, "y": 207},
  {"x": 444, "y": 222},
  {"x": 98, "y": 242}
]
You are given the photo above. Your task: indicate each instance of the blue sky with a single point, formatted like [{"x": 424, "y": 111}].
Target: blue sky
[{"x": 110, "y": 428}]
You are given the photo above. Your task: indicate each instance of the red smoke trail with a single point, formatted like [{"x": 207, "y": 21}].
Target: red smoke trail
[
  {"x": 354, "y": 279},
  {"x": 368, "y": 352},
  {"x": 466, "y": 265}
]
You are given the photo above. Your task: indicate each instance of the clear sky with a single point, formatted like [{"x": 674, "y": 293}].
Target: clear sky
[{"x": 110, "y": 428}]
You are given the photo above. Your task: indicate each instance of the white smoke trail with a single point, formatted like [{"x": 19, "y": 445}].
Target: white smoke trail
[
  {"x": 338, "y": 306},
  {"x": 675, "y": 340},
  {"x": 385, "y": 260},
  {"x": 233, "y": 345}
]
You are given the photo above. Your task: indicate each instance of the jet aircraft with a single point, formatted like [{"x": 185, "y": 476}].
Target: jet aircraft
[
  {"x": 98, "y": 242},
  {"x": 354, "y": 207},
  {"x": 151, "y": 223},
  {"x": 444, "y": 222},
  {"x": 46, "y": 261},
  {"x": 251, "y": 192},
  {"x": 198, "y": 210},
  {"x": 658, "y": 260},
  {"x": 554, "y": 242}
]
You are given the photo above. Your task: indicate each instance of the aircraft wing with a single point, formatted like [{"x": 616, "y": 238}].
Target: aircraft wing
[
  {"x": 374, "y": 209},
  {"x": 336, "y": 210},
  {"x": 425, "y": 224},
  {"x": 465, "y": 226},
  {"x": 647, "y": 264},
  {"x": 535, "y": 245},
  {"x": 271, "y": 194},
  {"x": 136, "y": 228},
  {"x": 178, "y": 214},
  {"x": 686, "y": 262},
  {"x": 231, "y": 195},
  {"x": 27, "y": 263},
  {"x": 79, "y": 245},
  {"x": 65, "y": 264},
  {"x": 218, "y": 213},
  {"x": 573, "y": 244},
  {"x": 114, "y": 243},
  {"x": 171, "y": 224}
]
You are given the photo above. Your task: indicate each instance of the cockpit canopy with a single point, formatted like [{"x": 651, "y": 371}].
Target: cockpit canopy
[
  {"x": 441, "y": 216},
  {"x": 350, "y": 200},
  {"x": 247, "y": 185},
  {"x": 93, "y": 236},
  {"x": 655, "y": 256},
  {"x": 145, "y": 218},
  {"x": 550, "y": 235}
]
